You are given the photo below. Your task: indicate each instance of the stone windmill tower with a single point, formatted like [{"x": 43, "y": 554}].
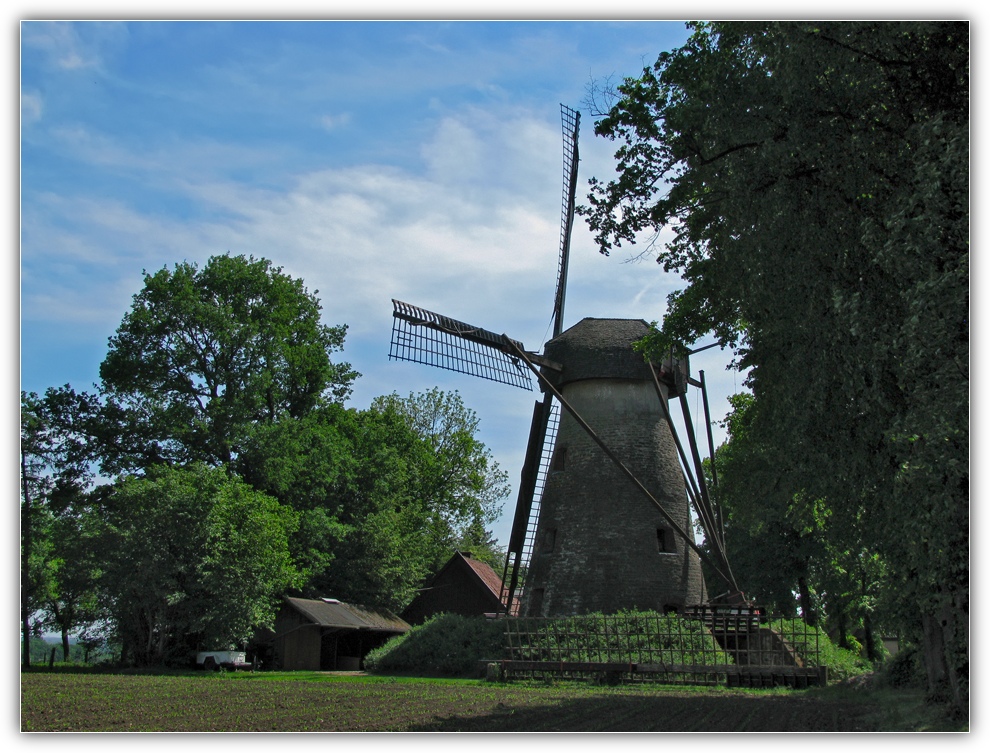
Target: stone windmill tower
[
  {"x": 600, "y": 544},
  {"x": 603, "y": 514}
]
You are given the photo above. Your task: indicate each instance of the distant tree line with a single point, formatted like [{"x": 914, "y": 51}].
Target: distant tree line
[
  {"x": 215, "y": 468},
  {"x": 95, "y": 651},
  {"x": 814, "y": 180}
]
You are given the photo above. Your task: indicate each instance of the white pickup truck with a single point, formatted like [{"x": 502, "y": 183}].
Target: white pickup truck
[{"x": 214, "y": 660}]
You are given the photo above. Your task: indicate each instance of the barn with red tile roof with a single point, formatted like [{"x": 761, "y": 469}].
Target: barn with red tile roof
[{"x": 464, "y": 586}]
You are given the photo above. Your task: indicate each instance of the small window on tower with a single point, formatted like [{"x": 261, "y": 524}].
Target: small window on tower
[
  {"x": 559, "y": 460},
  {"x": 550, "y": 540},
  {"x": 665, "y": 541}
]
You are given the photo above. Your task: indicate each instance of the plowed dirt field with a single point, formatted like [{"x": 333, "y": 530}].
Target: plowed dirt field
[{"x": 278, "y": 702}]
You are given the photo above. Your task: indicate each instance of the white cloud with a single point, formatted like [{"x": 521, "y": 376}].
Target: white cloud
[
  {"x": 332, "y": 122},
  {"x": 454, "y": 153},
  {"x": 168, "y": 163},
  {"x": 473, "y": 236},
  {"x": 73, "y": 46},
  {"x": 98, "y": 150},
  {"x": 31, "y": 107}
]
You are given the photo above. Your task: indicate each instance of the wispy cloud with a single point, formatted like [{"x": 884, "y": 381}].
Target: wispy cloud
[
  {"x": 73, "y": 46},
  {"x": 31, "y": 107},
  {"x": 475, "y": 235},
  {"x": 332, "y": 122},
  {"x": 352, "y": 231},
  {"x": 420, "y": 162}
]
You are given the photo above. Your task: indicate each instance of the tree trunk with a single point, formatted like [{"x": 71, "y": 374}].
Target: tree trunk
[
  {"x": 868, "y": 638},
  {"x": 65, "y": 644},
  {"x": 843, "y": 624},
  {"x": 26, "y": 544},
  {"x": 946, "y": 654},
  {"x": 933, "y": 653},
  {"x": 807, "y": 612},
  {"x": 26, "y": 642}
]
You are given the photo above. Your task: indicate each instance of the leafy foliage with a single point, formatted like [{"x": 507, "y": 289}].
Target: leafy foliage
[
  {"x": 244, "y": 476},
  {"x": 461, "y": 483},
  {"x": 905, "y": 669},
  {"x": 793, "y": 552},
  {"x": 57, "y": 572},
  {"x": 627, "y": 636},
  {"x": 445, "y": 645},
  {"x": 384, "y": 495},
  {"x": 814, "y": 178},
  {"x": 192, "y": 558},
  {"x": 203, "y": 355},
  {"x": 842, "y": 663}
]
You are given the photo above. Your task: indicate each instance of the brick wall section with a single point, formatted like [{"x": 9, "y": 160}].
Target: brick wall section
[{"x": 597, "y": 546}]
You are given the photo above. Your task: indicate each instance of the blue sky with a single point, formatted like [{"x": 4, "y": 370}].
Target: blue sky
[{"x": 377, "y": 160}]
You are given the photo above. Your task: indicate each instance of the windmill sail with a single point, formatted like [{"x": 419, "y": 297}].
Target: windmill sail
[
  {"x": 429, "y": 338},
  {"x": 558, "y": 561},
  {"x": 536, "y": 466},
  {"x": 570, "y": 124},
  {"x": 546, "y": 415}
]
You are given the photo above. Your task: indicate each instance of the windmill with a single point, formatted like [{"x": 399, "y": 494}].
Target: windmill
[{"x": 603, "y": 512}]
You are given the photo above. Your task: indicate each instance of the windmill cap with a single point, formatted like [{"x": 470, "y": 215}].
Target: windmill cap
[{"x": 599, "y": 349}]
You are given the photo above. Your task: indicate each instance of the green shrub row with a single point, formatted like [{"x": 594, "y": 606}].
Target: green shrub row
[
  {"x": 452, "y": 645},
  {"x": 629, "y": 636},
  {"x": 817, "y": 650},
  {"x": 445, "y": 645}
]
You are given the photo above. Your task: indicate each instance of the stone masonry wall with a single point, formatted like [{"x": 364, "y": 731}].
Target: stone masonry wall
[{"x": 597, "y": 546}]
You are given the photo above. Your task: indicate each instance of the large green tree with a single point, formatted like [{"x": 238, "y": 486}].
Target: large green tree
[
  {"x": 384, "y": 494},
  {"x": 814, "y": 181},
  {"x": 54, "y": 476},
  {"x": 791, "y": 550},
  {"x": 69, "y": 564},
  {"x": 205, "y": 354},
  {"x": 772, "y": 534},
  {"x": 462, "y": 485},
  {"x": 192, "y": 558},
  {"x": 220, "y": 409}
]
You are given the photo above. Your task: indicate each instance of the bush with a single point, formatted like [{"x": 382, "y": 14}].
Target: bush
[
  {"x": 842, "y": 663},
  {"x": 904, "y": 670},
  {"x": 445, "y": 645},
  {"x": 452, "y": 645},
  {"x": 627, "y": 636}
]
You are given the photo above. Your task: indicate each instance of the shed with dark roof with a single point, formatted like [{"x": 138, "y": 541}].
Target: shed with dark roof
[
  {"x": 464, "y": 586},
  {"x": 327, "y": 634}
]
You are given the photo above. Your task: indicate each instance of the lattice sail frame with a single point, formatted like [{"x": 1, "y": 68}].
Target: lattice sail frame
[
  {"x": 570, "y": 121},
  {"x": 518, "y": 556},
  {"x": 425, "y": 337},
  {"x": 520, "y": 549}
]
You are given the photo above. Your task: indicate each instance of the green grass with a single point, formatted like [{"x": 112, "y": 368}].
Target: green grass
[
  {"x": 312, "y": 701},
  {"x": 841, "y": 662},
  {"x": 445, "y": 645}
]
